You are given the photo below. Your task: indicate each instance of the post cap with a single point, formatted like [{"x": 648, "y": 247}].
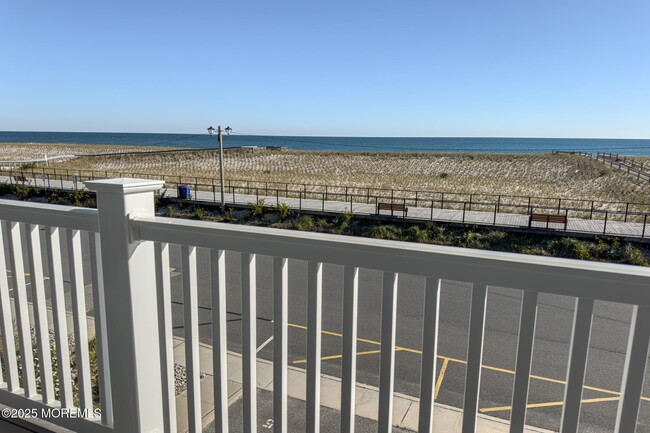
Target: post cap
[{"x": 124, "y": 185}]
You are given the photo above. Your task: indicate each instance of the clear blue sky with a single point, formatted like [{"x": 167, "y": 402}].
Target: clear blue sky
[{"x": 371, "y": 68}]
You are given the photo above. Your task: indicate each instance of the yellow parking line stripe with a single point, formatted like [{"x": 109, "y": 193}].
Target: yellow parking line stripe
[
  {"x": 330, "y": 357},
  {"x": 548, "y": 404},
  {"x": 27, "y": 274},
  {"x": 336, "y": 334},
  {"x": 441, "y": 377},
  {"x": 487, "y": 367}
]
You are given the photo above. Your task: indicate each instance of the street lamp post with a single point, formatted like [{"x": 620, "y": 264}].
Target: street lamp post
[{"x": 221, "y": 177}]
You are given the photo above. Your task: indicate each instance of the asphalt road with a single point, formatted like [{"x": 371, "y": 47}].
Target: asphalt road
[{"x": 605, "y": 363}]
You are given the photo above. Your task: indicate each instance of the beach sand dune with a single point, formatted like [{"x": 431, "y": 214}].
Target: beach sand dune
[
  {"x": 28, "y": 151},
  {"x": 566, "y": 176}
]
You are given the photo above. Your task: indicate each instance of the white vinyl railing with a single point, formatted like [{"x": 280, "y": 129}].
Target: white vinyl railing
[
  {"x": 130, "y": 257},
  {"x": 62, "y": 231}
]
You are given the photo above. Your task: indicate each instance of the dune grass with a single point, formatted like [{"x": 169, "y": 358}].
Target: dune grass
[
  {"x": 565, "y": 176},
  {"x": 26, "y": 151}
]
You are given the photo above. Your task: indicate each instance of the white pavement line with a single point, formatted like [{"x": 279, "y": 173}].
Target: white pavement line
[{"x": 263, "y": 345}]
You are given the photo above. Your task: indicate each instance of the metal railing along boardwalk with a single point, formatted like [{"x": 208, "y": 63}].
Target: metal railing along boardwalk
[
  {"x": 131, "y": 260},
  {"x": 598, "y": 218},
  {"x": 497, "y": 217}
]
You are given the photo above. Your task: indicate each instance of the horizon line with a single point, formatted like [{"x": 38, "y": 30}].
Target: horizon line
[{"x": 338, "y": 136}]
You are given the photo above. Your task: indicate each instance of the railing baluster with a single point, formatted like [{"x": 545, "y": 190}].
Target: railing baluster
[
  {"x": 17, "y": 268},
  {"x": 249, "y": 341},
  {"x": 429, "y": 353},
  {"x": 527, "y": 321},
  {"x": 75, "y": 265},
  {"x": 99, "y": 311},
  {"x": 314, "y": 323},
  {"x": 633, "y": 372},
  {"x": 33, "y": 241},
  {"x": 280, "y": 340},
  {"x": 387, "y": 355},
  {"x": 55, "y": 268},
  {"x": 349, "y": 370},
  {"x": 577, "y": 364},
  {"x": 163, "y": 281},
  {"x": 474, "y": 357},
  {"x": 191, "y": 319},
  {"x": 219, "y": 336},
  {"x": 6, "y": 325}
]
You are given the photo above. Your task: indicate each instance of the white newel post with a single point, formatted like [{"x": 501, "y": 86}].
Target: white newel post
[{"x": 131, "y": 306}]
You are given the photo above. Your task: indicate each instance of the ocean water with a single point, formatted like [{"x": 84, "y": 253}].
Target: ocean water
[{"x": 350, "y": 144}]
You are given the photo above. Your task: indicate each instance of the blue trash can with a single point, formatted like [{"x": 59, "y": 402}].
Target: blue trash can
[{"x": 183, "y": 192}]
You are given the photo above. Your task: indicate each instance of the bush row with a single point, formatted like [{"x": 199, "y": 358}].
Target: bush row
[{"x": 599, "y": 249}]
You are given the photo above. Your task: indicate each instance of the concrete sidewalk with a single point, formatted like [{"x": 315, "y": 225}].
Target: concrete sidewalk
[{"x": 447, "y": 419}]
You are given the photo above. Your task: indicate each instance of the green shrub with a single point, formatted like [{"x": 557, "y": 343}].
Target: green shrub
[
  {"x": 172, "y": 212},
  {"x": 383, "y": 232},
  {"x": 602, "y": 248},
  {"x": 472, "y": 239},
  {"x": 534, "y": 250},
  {"x": 633, "y": 256},
  {"x": 23, "y": 192},
  {"x": 200, "y": 214},
  {"x": 416, "y": 234},
  {"x": 160, "y": 197},
  {"x": 5, "y": 188},
  {"x": 346, "y": 217},
  {"x": 79, "y": 197},
  {"x": 283, "y": 210},
  {"x": 342, "y": 224},
  {"x": 55, "y": 196},
  {"x": 321, "y": 223},
  {"x": 304, "y": 222},
  {"x": 437, "y": 234},
  {"x": 229, "y": 215},
  {"x": 256, "y": 209},
  {"x": 497, "y": 240},
  {"x": 571, "y": 248}
]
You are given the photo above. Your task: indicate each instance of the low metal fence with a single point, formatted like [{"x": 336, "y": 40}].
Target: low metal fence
[{"x": 473, "y": 208}]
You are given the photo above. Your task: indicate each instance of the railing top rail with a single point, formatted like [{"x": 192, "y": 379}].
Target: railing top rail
[
  {"x": 601, "y": 281},
  {"x": 52, "y": 215}
]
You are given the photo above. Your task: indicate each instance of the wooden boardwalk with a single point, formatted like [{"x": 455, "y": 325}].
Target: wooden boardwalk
[{"x": 574, "y": 225}]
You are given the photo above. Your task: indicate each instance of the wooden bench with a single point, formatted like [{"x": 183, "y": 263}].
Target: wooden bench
[
  {"x": 22, "y": 179},
  {"x": 392, "y": 207},
  {"x": 547, "y": 218}
]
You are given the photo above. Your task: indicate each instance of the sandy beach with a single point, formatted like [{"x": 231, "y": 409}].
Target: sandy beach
[{"x": 566, "y": 176}]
